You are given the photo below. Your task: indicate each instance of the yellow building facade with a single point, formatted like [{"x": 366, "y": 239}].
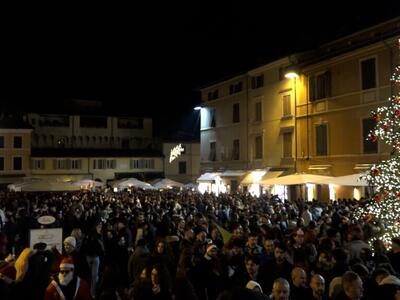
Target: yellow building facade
[{"x": 316, "y": 123}]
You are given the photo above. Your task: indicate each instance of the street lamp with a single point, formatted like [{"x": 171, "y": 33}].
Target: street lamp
[{"x": 292, "y": 73}]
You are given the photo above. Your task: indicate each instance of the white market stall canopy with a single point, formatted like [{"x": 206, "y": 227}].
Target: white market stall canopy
[
  {"x": 42, "y": 185},
  {"x": 132, "y": 182},
  {"x": 167, "y": 184},
  {"x": 347, "y": 180},
  {"x": 250, "y": 178},
  {"x": 295, "y": 179},
  {"x": 191, "y": 185},
  {"x": 208, "y": 177},
  {"x": 87, "y": 183}
]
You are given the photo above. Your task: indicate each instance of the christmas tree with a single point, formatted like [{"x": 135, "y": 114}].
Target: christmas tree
[{"x": 384, "y": 208}]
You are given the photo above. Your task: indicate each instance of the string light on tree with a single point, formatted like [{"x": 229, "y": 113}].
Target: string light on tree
[{"x": 384, "y": 207}]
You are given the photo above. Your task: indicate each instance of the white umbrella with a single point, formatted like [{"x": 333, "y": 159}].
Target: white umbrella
[
  {"x": 167, "y": 184},
  {"x": 132, "y": 182}
]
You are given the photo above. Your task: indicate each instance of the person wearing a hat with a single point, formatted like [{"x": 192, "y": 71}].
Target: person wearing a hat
[
  {"x": 68, "y": 286},
  {"x": 81, "y": 266}
]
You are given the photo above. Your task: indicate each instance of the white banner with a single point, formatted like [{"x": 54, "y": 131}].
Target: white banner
[{"x": 50, "y": 236}]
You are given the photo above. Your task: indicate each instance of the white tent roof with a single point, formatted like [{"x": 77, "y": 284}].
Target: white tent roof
[
  {"x": 208, "y": 176},
  {"x": 132, "y": 182},
  {"x": 347, "y": 180},
  {"x": 167, "y": 183},
  {"x": 249, "y": 178},
  {"x": 42, "y": 185},
  {"x": 191, "y": 185},
  {"x": 88, "y": 182},
  {"x": 298, "y": 178}
]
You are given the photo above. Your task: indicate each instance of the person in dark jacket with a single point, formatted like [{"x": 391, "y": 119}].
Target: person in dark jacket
[{"x": 93, "y": 248}]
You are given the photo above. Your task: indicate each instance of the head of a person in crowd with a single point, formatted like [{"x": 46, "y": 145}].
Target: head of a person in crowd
[
  {"x": 269, "y": 245},
  {"x": 200, "y": 234},
  {"x": 141, "y": 218},
  {"x": 280, "y": 289},
  {"x": 280, "y": 253},
  {"x": 78, "y": 213},
  {"x": 299, "y": 277},
  {"x": 317, "y": 285},
  {"x": 99, "y": 227},
  {"x": 324, "y": 259},
  {"x": 189, "y": 234},
  {"x": 69, "y": 244},
  {"x": 379, "y": 274},
  {"x": 298, "y": 236},
  {"x": 355, "y": 234},
  {"x": 299, "y": 223},
  {"x": 396, "y": 245},
  {"x": 77, "y": 233},
  {"x": 333, "y": 234},
  {"x": 121, "y": 223},
  {"x": 66, "y": 273},
  {"x": 160, "y": 247},
  {"x": 237, "y": 247},
  {"x": 215, "y": 234},
  {"x": 361, "y": 271},
  {"x": 237, "y": 231},
  {"x": 340, "y": 256},
  {"x": 254, "y": 286},
  {"x": 252, "y": 240},
  {"x": 211, "y": 251},
  {"x": 252, "y": 264},
  {"x": 181, "y": 224},
  {"x": 352, "y": 285}
]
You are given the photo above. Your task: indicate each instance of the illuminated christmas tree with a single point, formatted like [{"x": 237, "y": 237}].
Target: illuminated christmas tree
[{"x": 384, "y": 208}]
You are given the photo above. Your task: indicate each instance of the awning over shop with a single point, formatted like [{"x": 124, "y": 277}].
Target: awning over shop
[
  {"x": 297, "y": 178},
  {"x": 270, "y": 175},
  {"x": 255, "y": 176},
  {"x": 233, "y": 173},
  {"x": 347, "y": 180},
  {"x": 208, "y": 177}
]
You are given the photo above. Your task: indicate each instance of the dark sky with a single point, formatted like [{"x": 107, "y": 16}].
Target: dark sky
[{"x": 153, "y": 58}]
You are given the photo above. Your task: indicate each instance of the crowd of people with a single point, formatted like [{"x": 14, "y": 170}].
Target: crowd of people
[{"x": 185, "y": 245}]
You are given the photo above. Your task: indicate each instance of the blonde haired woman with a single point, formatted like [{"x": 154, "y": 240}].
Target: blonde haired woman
[{"x": 21, "y": 264}]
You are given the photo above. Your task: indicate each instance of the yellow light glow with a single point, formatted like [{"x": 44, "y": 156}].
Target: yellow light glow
[
  {"x": 332, "y": 191},
  {"x": 356, "y": 193}
]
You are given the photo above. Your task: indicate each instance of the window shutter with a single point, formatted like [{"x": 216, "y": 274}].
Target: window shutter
[
  {"x": 328, "y": 84},
  {"x": 68, "y": 164},
  {"x": 311, "y": 87},
  {"x": 253, "y": 83},
  {"x": 55, "y": 164}
]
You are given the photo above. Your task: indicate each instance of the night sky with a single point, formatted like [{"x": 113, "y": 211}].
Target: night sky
[{"x": 150, "y": 61}]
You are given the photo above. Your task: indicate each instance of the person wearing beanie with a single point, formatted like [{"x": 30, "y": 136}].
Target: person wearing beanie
[
  {"x": 254, "y": 286},
  {"x": 67, "y": 285},
  {"x": 69, "y": 244},
  {"x": 70, "y": 251}
]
